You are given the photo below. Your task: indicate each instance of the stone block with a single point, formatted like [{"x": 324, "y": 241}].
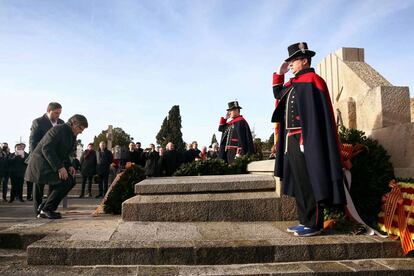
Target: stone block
[
  {"x": 401, "y": 152},
  {"x": 351, "y": 54},
  {"x": 203, "y": 184},
  {"x": 203, "y": 207},
  {"x": 205, "y": 243}
]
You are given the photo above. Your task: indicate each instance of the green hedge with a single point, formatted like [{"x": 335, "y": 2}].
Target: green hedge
[
  {"x": 371, "y": 173},
  {"x": 123, "y": 189},
  {"x": 215, "y": 167}
]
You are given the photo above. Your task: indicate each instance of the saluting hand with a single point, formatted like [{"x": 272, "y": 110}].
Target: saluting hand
[
  {"x": 283, "y": 68},
  {"x": 63, "y": 173}
]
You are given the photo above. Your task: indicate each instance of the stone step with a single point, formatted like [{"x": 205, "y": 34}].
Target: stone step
[
  {"x": 203, "y": 184},
  {"x": 204, "y": 243},
  {"x": 258, "y": 206},
  {"x": 365, "y": 267}
]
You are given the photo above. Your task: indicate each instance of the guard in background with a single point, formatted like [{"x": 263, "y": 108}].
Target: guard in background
[
  {"x": 236, "y": 139},
  {"x": 308, "y": 159}
]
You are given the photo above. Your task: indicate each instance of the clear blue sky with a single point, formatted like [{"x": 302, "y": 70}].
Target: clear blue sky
[{"x": 126, "y": 63}]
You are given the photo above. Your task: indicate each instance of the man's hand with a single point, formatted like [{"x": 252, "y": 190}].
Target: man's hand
[
  {"x": 283, "y": 68},
  {"x": 63, "y": 174},
  {"x": 72, "y": 171}
]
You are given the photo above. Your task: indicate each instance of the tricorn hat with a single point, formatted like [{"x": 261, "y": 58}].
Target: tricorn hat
[
  {"x": 299, "y": 49},
  {"x": 234, "y": 105}
]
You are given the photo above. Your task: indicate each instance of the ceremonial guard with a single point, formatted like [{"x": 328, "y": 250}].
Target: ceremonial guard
[
  {"x": 236, "y": 139},
  {"x": 308, "y": 154}
]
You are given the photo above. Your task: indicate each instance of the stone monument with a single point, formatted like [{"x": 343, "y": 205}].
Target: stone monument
[{"x": 363, "y": 99}]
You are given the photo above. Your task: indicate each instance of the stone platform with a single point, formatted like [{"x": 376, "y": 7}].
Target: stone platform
[
  {"x": 246, "y": 197},
  {"x": 201, "y": 243}
]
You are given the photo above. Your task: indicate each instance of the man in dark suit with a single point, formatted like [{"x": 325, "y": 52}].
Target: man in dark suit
[
  {"x": 88, "y": 169},
  {"x": 104, "y": 160},
  {"x": 39, "y": 128},
  {"x": 172, "y": 160},
  {"x": 50, "y": 163}
]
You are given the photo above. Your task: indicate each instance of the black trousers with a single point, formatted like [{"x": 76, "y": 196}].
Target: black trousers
[
  {"x": 38, "y": 194},
  {"x": 84, "y": 179},
  {"x": 58, "y": 192},
  {"x": 103, "y": 184},
  {"x": 29, "y": 189},
  {"x": 309, "y": 211},
  {"x": 5, "y": 181},
  {"x": 16, "y": 188}
]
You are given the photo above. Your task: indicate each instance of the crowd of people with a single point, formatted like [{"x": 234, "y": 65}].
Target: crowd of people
[{"x": 51, "y": 159}]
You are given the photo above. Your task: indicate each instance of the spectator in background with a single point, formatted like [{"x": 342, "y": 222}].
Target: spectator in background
[
  {"x": 141, "y": 155},
  {"x": 188, "y": 154},
  {"x": 4, "y": 168},
  {"x": 214, "y": 152},
  {"x": 88, "y": 169},
  {"x": 161, "y": 162},
  {"x": 172, "y": 159},
  {"x": 104, "y": 160},
  {"x": 151, "y": 156},
  {"x": 132, "y": 154},
  {"x": 192, "y": 152},
  {"x": 29, "y": 194},
  {"x": 17, "y": 168},
  {"x": 203, "y": 154}
]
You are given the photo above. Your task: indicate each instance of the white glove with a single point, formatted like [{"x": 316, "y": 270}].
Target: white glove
[{"x": 283, "y": 68}]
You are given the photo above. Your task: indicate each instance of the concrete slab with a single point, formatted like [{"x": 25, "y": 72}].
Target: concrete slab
[
  {"x": 259, "y": 206},
  {"x": 203, "y": 184},
  {"x": 207, "y": 243}
]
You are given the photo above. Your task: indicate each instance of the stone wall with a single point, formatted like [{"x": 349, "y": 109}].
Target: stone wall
[
  {"x": 412, "y": 109},
  {"x": 365, "y": 100}
]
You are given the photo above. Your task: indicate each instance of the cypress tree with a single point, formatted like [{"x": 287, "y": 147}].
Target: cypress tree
[
  {"x": 161, "y": 137},
  {"x": 213, "y": 139},
  {"x": 170, "y": 130}
]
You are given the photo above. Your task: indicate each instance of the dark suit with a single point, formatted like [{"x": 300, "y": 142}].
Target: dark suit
[
  {"x": 103, "y": 160},
  {"x": 17, "y": 167},
  {"x": 51, "y": 154},
  {"x": 88, "y": 169},
  {"x": 39, "y": 128},
  {"x": 172, "y": 161}
]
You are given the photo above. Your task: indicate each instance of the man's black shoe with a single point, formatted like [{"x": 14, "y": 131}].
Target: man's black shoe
[
  {"x": 81, "y": 196},
  {"x": 40, "y": 207},
  {"x": 49, "y": 215},
  {"x": 57, "y": 214},
  {"x": 30, "y": 199},
  {"x": 99, "y": 196}
]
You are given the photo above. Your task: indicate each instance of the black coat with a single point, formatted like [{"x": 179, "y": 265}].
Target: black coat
[
  {"x": 103, "y": 162},
  {"x": 132, "y": 156},
  {"x": 319, "y": 133},
  {"x": 51, "y": 154},
  {"x": 39, "y": 128},
  {"x": 236, "y": 134},
  {"x": 141, "y": 157},
  {"x": 88, "y": 163},
  {"x": 151, "y": 163},
  {"x": 17, "y": 165},
  {"x": 172, "y": 160},
  {"x": 4, "y": 163}
]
